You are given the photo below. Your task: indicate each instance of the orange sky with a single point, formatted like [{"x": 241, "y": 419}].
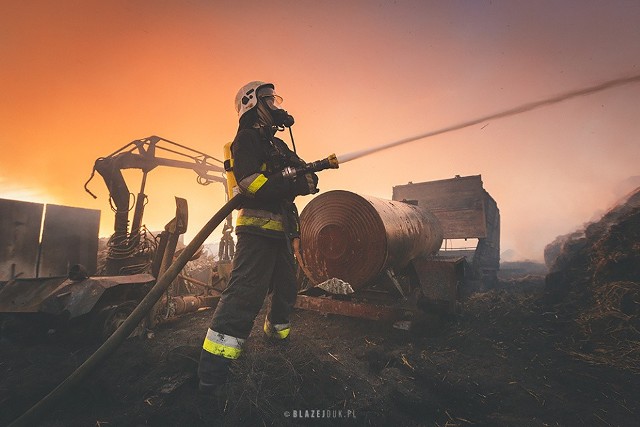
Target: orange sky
[{"x": 80, "y": 79}]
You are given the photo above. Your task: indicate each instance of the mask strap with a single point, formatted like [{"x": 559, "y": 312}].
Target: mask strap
[{"x": 292, "y": 141}]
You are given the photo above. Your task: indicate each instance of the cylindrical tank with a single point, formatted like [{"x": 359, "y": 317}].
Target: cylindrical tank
[{"x": 355, "y": 238}]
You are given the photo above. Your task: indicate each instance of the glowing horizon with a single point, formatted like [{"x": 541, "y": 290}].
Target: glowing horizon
[{"x": 82, "y": 79}]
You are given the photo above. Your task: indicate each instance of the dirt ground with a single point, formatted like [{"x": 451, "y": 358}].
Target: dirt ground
[
  {"x": 534, "y": 349},
  {"x": 503, "y": 362}
]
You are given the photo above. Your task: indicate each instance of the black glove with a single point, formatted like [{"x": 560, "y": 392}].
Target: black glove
[{"x": 306, "y": 184}]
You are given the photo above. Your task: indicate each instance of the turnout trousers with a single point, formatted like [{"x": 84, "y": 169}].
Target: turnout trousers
[{"x": 261, "y": 266}]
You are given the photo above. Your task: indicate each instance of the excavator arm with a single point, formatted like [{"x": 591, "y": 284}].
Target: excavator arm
[{"x": 143, "y": 154}]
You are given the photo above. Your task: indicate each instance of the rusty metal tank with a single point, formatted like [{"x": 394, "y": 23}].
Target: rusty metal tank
[{"x": 355, "y": 238}]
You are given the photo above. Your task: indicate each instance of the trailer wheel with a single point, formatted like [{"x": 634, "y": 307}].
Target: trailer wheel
[{"x": 109, "y": 319}]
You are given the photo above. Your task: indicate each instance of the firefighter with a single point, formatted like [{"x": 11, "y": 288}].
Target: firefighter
[{"x": 267, "y": 227}]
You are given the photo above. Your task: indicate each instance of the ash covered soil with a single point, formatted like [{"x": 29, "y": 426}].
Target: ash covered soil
[
  {"x": 506, "y": 362},
  {"x": 560, "y": 349}
]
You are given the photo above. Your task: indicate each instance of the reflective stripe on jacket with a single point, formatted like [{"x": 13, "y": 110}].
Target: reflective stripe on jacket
[
  {"x": 251, "y": 184},
  {"x": 260, "y": 218}
]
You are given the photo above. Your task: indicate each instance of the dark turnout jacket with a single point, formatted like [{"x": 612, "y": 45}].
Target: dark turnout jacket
[{"x": 258, "y": 161}]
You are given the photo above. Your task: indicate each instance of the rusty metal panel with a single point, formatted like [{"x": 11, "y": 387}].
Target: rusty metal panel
[
  {"x": 19, "y": 238},
  {"x": 58, "y": 294},
  {"x": 79, "y": 297},
  {"x": 348, "y": 308},
  {"x": 439, "y": 279},
  {"x": 26, "y": 295},
  {"x": 458, "y": 203},
  {"x": 69, "y": 236}
]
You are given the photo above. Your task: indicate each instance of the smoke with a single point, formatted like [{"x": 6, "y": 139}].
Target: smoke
[{"x": 510, "y": 112}]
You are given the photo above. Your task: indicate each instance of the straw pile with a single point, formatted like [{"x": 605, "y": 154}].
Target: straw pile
[{"x": 595, "y": 282}]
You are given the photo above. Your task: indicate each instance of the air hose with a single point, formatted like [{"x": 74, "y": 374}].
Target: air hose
[{"x": 31, "y": 417}]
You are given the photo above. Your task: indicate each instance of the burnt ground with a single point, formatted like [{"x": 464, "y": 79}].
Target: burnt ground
[{"x": 507, "y": 360}]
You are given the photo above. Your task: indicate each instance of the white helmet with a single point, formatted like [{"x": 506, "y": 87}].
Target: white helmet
[{"x": 246, "y": 97}]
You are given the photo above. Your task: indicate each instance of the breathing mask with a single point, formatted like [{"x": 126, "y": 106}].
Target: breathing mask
[{"x": 280, "y": 117}]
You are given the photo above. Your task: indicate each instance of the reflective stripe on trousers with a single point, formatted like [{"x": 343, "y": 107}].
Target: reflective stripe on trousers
[
  {"x": 280, "y": 331},
  {"x": 223, "y": 345}
]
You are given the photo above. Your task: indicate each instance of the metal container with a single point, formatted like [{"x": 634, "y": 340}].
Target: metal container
[{"x": 355, "y": 238}]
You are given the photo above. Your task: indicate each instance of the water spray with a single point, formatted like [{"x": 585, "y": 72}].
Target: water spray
[
  {"x": 333, "y": 161},
  {"x": 510, "y": 112}
]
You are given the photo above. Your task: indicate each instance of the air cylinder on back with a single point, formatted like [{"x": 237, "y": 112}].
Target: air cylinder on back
[{"x": 355, "y": 238}]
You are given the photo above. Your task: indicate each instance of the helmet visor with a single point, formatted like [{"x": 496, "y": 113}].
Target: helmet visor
[{"x": 269, "y": 96}]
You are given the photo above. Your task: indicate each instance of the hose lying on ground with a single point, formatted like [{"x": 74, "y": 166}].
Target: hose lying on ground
[{"x": 31, "y": 417}]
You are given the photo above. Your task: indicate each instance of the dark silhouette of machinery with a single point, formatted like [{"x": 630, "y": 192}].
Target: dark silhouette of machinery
[
  {"x": 130, "y": 249},
  {"x": 135, "y": 257}
]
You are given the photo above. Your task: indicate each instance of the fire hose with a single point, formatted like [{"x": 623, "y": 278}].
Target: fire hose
[{"x": 30, "y": 417}]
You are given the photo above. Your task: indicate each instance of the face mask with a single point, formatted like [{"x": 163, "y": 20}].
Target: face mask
[
  {"x": 282, "y": 118},
  {"x": 272, "y": 102}
]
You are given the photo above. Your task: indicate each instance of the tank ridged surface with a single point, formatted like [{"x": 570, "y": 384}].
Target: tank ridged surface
[{"x": 355, "y": 237}]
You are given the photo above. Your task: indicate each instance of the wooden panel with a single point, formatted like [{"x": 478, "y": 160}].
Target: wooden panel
[
  {"x": 69, "y": 236},
  {"x": 19, "y": 236},
  {"x": 458, "y": 203},
  {"x": 439, "y": 279},
  {"x": 461, "y": 224}
]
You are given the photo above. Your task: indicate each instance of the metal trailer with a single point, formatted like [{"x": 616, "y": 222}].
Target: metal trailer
[
  {"x": 383, "y": 259},
  {"x": 465, "y": 211}
]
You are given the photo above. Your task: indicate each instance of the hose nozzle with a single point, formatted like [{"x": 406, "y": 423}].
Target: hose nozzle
[
  {"x": 333, "y": 161},
  {"x": 330, "y": 162}
]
